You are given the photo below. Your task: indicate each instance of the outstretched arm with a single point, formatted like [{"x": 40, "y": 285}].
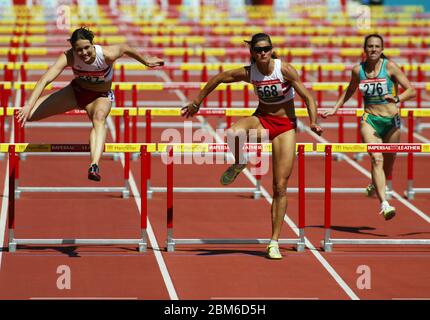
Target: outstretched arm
[
  {"x": 347, "y": 94},
  {"x": 50, "y": 75},
  {"x": 112, "y": 53},
  {"x": 290, "y": 74},
  {"x": 229, "y": 76}
]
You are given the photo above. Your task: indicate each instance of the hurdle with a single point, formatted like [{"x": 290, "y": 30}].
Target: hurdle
[
  {"x": 14, "y": 149},
  {"x": 411, "y": 114},
  {"x": 18, "y": 133},
  {"x": 171, "y": 149},
  {"x": 228, "y": 113},
  {"x": 148, "y": 113},
  {"x": 328, "y": 149}
]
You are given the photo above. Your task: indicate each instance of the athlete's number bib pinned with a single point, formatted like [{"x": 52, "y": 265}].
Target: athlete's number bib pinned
[
  {"x": 270, "y": 92},
  {"x": 92, "y": 79},
  {"x": 373, "y": 87}
]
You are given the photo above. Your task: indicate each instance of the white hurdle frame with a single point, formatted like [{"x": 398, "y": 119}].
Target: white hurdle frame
[
  {"x": 328, "y": 241},
  {"x": 171, "y": 242},
  {"x": 79, "y": 150},
  {"x": 411, "y": 114},
  {"x": 141, "y": 242}
]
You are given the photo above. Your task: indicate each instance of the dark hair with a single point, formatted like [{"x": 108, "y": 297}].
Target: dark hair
[
  {"x": 82, "y": 33},
  {"x": 257, "y": 38},
  {"x": 375, "y": 35}
]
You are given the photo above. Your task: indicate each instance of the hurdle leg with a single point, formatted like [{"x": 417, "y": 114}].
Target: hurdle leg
[
  {"x": 301, "y": 243},
  {"x": 170, "y": 242},
  {"x": 389, "y": 189},
  {"x": 410, "y": 193},
  {"x": 328, "y": 245},
  {"x": 257, "y": 192},
  {"x": 126, "y": 191},
  {"x": 11, "y": 203},
  {"x": 143, "y": 197},
  {"x": 16, "y": 158},
  {"x": 148, "y": 139}
]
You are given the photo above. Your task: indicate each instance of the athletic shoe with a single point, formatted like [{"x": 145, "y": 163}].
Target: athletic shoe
[
  {"x": 93, "y": 172},
  {"x": 231, "y": 173},
  {"x": 273, "y": 252},
  {"x": 370, "y": 190},
  {"x": 388, "y": 212}
]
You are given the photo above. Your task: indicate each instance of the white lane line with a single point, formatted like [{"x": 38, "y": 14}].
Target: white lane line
[
  {"x": 152, "y": 239},
  {"x": 290, "y": 223},
  {"x": 368, "y": 175},
  {"x": 420, "y": 137}
]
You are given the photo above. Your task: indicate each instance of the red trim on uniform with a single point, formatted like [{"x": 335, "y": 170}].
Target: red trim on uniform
[
  {"x": 85, "y": 96},
  {"x": 95, "y": 73},
  {"x": 276, "y": 124},
  {"x": 266, "y": 82}
]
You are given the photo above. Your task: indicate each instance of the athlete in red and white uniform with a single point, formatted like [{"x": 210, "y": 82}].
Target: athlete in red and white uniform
[
  {"x": 275, "y": 83},
  {"x": 92, "y": 66}
]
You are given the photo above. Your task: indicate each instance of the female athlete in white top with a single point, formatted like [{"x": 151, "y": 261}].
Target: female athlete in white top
[
  {"x": 92, "y": 66},
  {"x": 275, "y": 82}
]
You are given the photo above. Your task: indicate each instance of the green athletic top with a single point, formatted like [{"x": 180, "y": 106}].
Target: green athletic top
[{"x": 374, "y": 89}]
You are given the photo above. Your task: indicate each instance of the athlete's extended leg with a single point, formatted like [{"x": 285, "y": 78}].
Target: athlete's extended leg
[
  {"x": 237, "y": 135},
  {"x": 54, "y": 103},
  {"x": 369, "y": 135},
  {"x": 283, "y": 156},
  {"x": 393, "y": 136},
  {"x": 97, "y": 111}
]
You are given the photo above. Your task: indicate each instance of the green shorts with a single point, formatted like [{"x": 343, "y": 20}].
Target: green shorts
[{"x": 382, "y": 125}]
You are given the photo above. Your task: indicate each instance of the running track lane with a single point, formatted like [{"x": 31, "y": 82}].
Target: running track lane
[
  {"x": 249, "y": 270},
  {"x": 96, "y": 271},
  {"x": 409, "y": 274}
]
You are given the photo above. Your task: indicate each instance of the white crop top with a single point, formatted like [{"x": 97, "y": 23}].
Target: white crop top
[
  {"x": 271, "y": 89},
  {"x": 97, "y": 72}
]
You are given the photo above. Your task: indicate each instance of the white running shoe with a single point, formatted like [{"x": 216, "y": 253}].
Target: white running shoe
[
  {"x": 273, "y": 252},
  {"x": 388, "y": 212}
]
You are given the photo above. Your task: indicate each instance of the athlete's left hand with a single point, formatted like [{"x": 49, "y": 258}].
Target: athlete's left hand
[
  {"x": 315, "y": 127},
  {"x": 189, "y": 110},
  {"x": 390, "y": 98},
  {"x": 154, "y": 62}
]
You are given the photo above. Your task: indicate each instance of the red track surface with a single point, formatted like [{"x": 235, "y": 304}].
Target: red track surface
[{"x": 207, "y": 271}]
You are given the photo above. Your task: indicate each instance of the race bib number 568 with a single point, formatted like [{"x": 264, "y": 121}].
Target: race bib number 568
[{"x": 269, "y": 91}]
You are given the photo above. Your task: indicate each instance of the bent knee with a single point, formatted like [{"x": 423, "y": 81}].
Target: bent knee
[
  {"x": 280, "y": 189},
  {"x": 99, "y": 117},
  {"x": 377, "y": 159}
]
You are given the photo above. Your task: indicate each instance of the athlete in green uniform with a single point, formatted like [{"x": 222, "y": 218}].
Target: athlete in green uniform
[{"x": 378, "y": 78}]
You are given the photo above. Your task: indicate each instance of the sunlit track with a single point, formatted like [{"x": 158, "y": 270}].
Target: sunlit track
[
  {"x": 194, "y": 48},
  {"x": 362, "y": 170},
  {"x": 287, "y": 219},
  {"x": 153, "y": 241}
]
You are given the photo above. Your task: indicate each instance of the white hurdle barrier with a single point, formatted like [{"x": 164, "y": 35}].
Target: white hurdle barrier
[
  {"x": 328, "y": 149},
  {"x": 13, "y": 149},
  {"x": 170, "y": 149}
]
